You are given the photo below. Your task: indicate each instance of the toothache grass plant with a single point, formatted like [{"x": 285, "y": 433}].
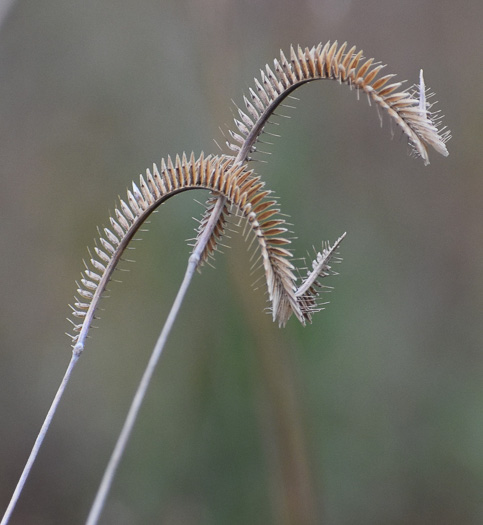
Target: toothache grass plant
[{"x": 236, "y": 191}]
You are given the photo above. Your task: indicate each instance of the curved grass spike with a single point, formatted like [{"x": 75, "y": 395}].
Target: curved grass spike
[
  {"x": 241, "y": 189},
  {"x": 346, "y": 66},
  {"x": 331, "y": 61}
]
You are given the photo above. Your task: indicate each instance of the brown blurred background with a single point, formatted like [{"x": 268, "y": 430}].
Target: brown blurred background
[{"x": 371, "y": 415}]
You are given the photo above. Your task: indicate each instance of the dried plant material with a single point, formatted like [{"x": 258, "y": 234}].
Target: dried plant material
[
  {"x": 233, "y": 185},
  {"x": 408, "y": 108},
  {"x": 240, "y": 187},
  {"x": 423, "y": 107},
  {"x": 331, "y": 61},
  {"x": 311, "y": 287}
]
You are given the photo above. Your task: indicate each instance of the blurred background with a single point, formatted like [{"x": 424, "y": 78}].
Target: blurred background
[{"x": 371, "y": 415}]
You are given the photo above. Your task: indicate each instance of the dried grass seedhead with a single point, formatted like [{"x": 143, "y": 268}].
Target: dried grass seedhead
[
  {"x": 239, "y": 186},
  {"x": 346, "y": 66},
  {"x": 408, "y": 108},
  {"x": 234, "y": 185}
]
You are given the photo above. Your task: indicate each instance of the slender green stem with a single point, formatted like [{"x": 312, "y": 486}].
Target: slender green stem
[
  {"x": 40, "y": 438},
  {"x": 130, "y": 421}
]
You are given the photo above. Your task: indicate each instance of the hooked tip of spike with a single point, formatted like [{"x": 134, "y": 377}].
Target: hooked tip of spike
[{"x": 422, "y": 94}]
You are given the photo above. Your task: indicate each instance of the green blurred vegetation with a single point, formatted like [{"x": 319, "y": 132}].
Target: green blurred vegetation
[{"x": 371, "y": 415}]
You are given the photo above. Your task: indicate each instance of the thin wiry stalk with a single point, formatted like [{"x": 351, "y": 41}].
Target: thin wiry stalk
[
  {"x": 130, "y": 421},
  {"x": 40, "y": 439}
]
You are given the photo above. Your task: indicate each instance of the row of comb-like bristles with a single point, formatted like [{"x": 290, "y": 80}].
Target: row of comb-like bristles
[
  {"x": 331, "y": 61},
  {"x": 408, "y": 108},
  {"x": 239, "y": 186}
]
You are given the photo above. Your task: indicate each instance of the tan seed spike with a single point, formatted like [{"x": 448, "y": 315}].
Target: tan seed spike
[
  {"x": 321, "y": 59},
  {"x": 348, "y": 57},
  {"x": 295, "y": 63},
  {"x": 152, "y": 184},
  {"x": 111, "y": 237},
  {"x": 160, "y": 179},
  {"x": 291, "y": 78},
  {"x": 338, "y": 59},
  {"x": 281, "y": 74},
  {"x": 330, "y": 57},
  {"x": 147, "y": 193},
  {"x": 138, "y": 197},
  {"x": 364, "y": 68},
  {"x": 117, "y": 228},
  {"x": 302, "y": 60},
  {"x": 376, "y": 86},
  {"x": 373, "y": 73},
  {"x": 167, "y": 178},
  {"x": 133, "y": 204},
  {"x": 353, "y": 64},
  {"x": 309, "y": 59}
]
